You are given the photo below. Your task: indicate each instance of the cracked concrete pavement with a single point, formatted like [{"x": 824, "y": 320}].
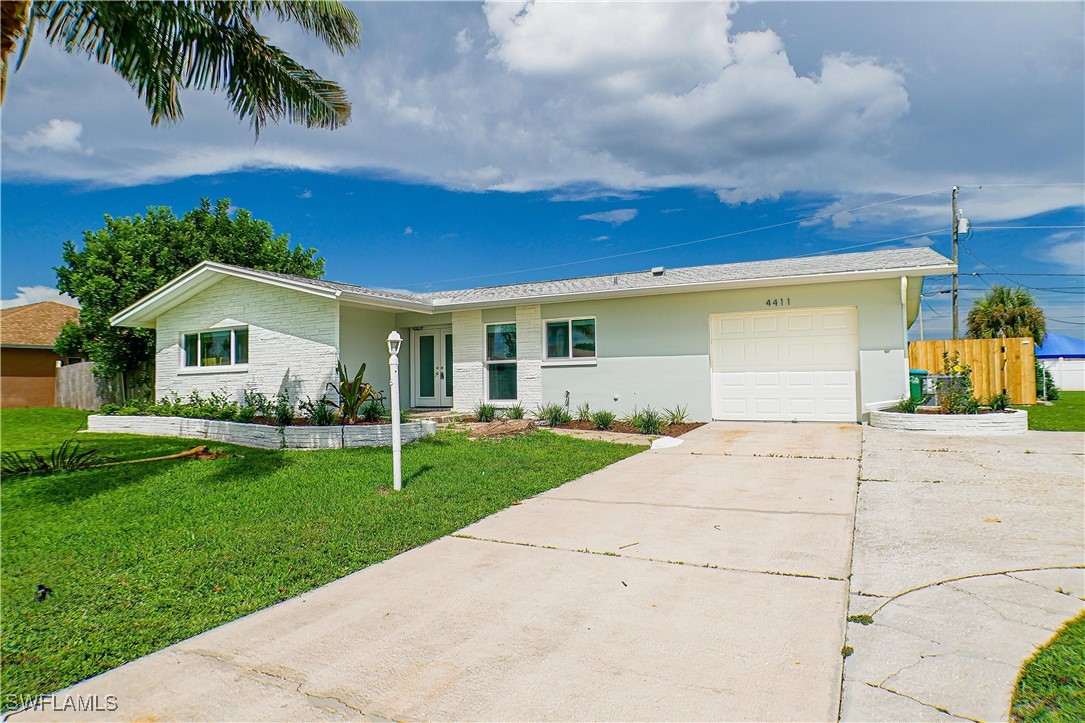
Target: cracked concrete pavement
[
  {"x": 968, "y": 555},
  {"x": 703, "y": 582}
]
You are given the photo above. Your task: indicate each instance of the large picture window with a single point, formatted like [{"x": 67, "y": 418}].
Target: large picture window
[
  {"x": 501, "y": 362},
  {"x": 570, "y": 339},
  {"x": 218, "y": 348}
]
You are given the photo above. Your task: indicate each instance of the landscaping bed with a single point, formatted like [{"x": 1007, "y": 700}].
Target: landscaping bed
[
  {"x": 1010, "y": 421},
  {"x": 667, "y": 430},
  {"x": 142, "y": 556}
]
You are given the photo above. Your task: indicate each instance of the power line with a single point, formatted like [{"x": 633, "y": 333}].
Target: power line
[
  {"x": 815, "y": 217},
  {"x": 1018, "y": 228}
]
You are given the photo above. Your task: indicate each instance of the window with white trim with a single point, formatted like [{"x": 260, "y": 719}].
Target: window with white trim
[
  {"x": 570, "y": 339},
  {"x": 501, "y": 362},
  {"x": 215, "y": 348}
]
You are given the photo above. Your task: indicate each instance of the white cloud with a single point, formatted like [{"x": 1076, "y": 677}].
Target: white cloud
[
  {"x": 305, "y": 194},
  {"x": 463, "y": 42},
  {"x": 1066, "y": 249},
  {"x": 34, "y": 294},
  {"x": 615, "y": 218},
  {"x": 601, "y": 238},
  {"x": 408, "y": 231},
  {"x": 53, "y": 135}
]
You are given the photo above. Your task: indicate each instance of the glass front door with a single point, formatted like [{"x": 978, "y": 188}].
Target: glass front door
[{"x": 432, "y": 368}]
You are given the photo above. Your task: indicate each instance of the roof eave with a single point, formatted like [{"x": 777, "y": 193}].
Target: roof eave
[{"x": 890, "y": 273}]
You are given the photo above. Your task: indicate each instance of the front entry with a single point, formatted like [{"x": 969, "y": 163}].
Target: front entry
[{"x": 431, "y": 367}]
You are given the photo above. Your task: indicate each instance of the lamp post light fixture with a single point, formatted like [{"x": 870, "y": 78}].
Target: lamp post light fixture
[{"x": 394, "y": 342}]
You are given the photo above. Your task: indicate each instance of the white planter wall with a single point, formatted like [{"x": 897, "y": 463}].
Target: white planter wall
[
  {"x": 1012, "y": 422},
  {"x": 260, "y": 435}
]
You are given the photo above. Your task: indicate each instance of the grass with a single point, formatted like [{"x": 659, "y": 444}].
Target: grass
[
  {"x": 142, "y": 556},
  {"x": 1065, "y": 415},
  {"x": 1051, "y": 686}
]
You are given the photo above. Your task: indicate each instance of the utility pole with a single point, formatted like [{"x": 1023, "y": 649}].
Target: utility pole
[{"x": 956, "y": 330}]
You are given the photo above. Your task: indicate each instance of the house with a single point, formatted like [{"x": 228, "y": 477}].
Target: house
[
  {"x": 28, "y": 363},
  {"x": 1064, "y": 357},
  {"x": 815, "y": 338}
]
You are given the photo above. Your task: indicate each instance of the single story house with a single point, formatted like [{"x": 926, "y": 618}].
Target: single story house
[
  {"x": 28, "y": 364},
  {"x": 815, "y": 338},
  {"x": 1064, "y": 357}
]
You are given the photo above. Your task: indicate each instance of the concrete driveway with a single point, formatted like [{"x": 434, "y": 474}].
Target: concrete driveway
[
  {"x": 703, "y": 582},
  {"x": 968, "y": 555}
]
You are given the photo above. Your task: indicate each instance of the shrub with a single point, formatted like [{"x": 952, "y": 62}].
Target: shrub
[
  {"x": 583, "y": 413},
  {"x": 109, "y": 410},
  {"x": 246, "y": 414},
  {"x": 352, "y": 392},
  {"x": 283, "y": 410},
  {"x": 603, "y": 419},
  {"x": 955, "y": 390},
  {"x": 1045, "y": 383},
  {"x": 907, "y": 405},
  {"x": 320, "y": 413},
  {"x": 485, "y": 412},
  {"x": 553, "y": 414},
  {"x": 371, "y": 411},
  {"x": 647, "y": 420},
  {"x": 516, "y": 412},
  {"x": 68, "y": 457},
  {"x": 676, "y": 415},
  {"x": 999, "y": 402},
  {"x": 258, "y": 401},
  {"x": 405, "y": 415}
]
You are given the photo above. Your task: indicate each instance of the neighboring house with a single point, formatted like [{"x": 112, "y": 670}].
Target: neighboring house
[
  {"x": 28, "y": 364},
  {"x": 818, "y": 338},
  {"x": 1064, "y": 357}
]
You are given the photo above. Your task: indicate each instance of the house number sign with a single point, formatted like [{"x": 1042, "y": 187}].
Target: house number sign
[{"x": 782, "y": 301}]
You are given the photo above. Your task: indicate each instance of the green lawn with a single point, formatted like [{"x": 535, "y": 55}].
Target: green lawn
[
  {"x": 1052, "y": 683},
  {"x": 1065, "y": 415},
  {"x": 141, "y": 556}
]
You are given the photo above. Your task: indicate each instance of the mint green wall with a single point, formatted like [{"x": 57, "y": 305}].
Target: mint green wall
[
  {"x": 654, "y": 349},
  {"x": 362, "y": 338}
]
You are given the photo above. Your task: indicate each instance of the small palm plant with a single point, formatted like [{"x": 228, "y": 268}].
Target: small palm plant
[{"x": 352, "y": 393}]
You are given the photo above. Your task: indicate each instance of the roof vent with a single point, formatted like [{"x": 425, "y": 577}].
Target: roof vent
[{"x": 657, "y": 271}]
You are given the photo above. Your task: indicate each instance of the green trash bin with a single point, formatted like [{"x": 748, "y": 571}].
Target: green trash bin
[{"x": 915, "y": 383}]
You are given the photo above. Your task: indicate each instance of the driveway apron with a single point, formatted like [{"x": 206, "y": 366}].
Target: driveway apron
[{"x": 702, "y": 582}]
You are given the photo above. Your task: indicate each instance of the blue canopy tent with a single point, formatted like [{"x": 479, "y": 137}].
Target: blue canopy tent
[{"x": 1057, "y": 346}]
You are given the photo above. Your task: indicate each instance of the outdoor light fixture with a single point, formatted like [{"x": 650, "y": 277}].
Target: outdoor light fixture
[{"x": 394, "y": 342}]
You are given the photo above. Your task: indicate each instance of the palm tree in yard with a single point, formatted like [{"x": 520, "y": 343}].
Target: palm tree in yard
[
  {"x": 1006, "y": 312},
  {"x": 162, "y": 47}
]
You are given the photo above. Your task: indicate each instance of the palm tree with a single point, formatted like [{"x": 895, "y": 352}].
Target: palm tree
[
  {"x": 1007, "y": 312},
  {"x": 162, "y": 47}
]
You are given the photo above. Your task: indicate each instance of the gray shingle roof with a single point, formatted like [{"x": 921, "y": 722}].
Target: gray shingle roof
[
  {"x": 746, "y": 271},
  {"x": 716, "y": 273}
]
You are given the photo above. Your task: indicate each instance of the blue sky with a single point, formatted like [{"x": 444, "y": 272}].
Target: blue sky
[{"x": 498, "y": 143}]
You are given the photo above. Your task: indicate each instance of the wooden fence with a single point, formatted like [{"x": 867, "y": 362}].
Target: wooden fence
[{"x": 997, "y": 364}]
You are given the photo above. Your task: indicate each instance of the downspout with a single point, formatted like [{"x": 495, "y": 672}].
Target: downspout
[{"x": 904, "y": 323}]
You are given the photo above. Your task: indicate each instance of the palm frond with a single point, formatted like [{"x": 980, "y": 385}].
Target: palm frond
[{"x": 162, "y": 47}]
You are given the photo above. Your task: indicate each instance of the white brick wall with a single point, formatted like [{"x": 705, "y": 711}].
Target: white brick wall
[
  {"x": 1013, "y": 422},
  {"x": 529, "y": 356},
  {"x": 293, "y": 340},
  {"x": 467, "y": 357}
]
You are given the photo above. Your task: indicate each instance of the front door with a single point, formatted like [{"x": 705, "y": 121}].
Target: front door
[{"x": 431, "y": 367}]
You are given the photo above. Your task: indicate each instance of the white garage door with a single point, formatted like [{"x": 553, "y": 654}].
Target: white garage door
[{"x": 787, "y": 365}]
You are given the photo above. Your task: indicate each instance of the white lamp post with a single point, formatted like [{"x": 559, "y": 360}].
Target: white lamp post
[{"x": 394, "y": 342}]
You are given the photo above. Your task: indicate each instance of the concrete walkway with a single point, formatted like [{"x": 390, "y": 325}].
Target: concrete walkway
[
  {"x": 703, "y": 582},
  {"x": 968, "y": 555}
]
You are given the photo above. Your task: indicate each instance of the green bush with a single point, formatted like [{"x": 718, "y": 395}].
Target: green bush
[
  {"x": 516, "y": 412},
  {"x": 999, "y": 402},
  {"x": 647, "y": 420},
  {"x": 553, "y": 414},
  {"x": 955, "y": 390},
  {"x": 583, "y": 413},
  {"x": 603, "y": 419},
  {"x": 371, "y": 411},
  {"x": 1045, "y": 383},
  {"x": 676, "y": 415},
  {"x": 485, "y": 412},
  {"x": 907, "y": 405},
  {"x": 320, "y": 413},
  {"x": 283, "y": 410}
]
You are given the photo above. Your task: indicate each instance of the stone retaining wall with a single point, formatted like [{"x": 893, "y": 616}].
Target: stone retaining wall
[
  {"x": 260, "y": 435},
  {"x": 1012, "y": 422}
]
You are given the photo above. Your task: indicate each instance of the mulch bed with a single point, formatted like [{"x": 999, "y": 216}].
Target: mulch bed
[
  {"x": 669, "y": 430},
  {"x": 303, "y": 422}
]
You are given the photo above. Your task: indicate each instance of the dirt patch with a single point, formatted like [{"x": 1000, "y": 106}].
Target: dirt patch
[{"x": 502, "y": 428}]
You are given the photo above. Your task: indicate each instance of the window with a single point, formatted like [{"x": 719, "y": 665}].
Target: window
[
  {"x": 570, "y": 339},
  {"x": 221, "y": 347},
  {"x": 501, "y": 361}
]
